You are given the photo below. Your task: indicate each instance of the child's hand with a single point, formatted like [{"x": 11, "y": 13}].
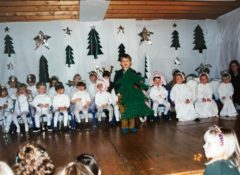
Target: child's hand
[
  {"x": 204, "y": 100},
  {"x": 223, "y": 98},
  {"x": 40, "y": 105},
  {"x": 46, "y": 105},
  {"x": 208, "y": 99},
  {"x": 5, "y": 106},
  {"x": 187, "y": 101}
]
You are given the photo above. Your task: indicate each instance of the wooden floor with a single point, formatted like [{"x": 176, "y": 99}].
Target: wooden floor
[{"x": 165, "y": 147}]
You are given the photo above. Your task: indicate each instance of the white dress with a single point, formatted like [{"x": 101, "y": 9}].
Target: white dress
[
  {"x": 208, "y": 108},
  {"x": 226, "y": 90},
  {"x": 85, "y": 98},
  {"x": 179, "y": 94}
]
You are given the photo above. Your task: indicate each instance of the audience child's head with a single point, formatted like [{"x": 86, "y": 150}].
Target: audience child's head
[
  {"x": 76, "y": 79},
  {"x": 5, "y": 169},
  {"x": 234, "y": 68},
  {"x": 41, "y": 88},
  {"x": 221, "y": 144},
  {"x": 32, "y": 159},
  {"x": 53, "y": 81},
  {"x": 13, "y": 82},
  {"x": 93, "y": 76},
  {"x": 106, "y": 75},
  {"x": 81, "y": 86},
  {"x": 59, "y": 88},
  {"x": 31, "y": 79},
  {"x": 157, "y": 81},
  {"x": 125, "y": 61},
  {"x": 203, "y": 78},
  {"x": 180, "y": 78},
  {"x": 226, "y": 78},
  {"x": 174, "y": 73},
  {"x": 22, "y": 89},
  {"x": 101, "y": 86},
  {"x": 3, "y": 91}
]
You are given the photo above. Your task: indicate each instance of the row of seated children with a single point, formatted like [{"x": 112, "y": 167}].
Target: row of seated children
[
  {"x": 192, "y": 104},
  {"x": 21, "y": 102}
]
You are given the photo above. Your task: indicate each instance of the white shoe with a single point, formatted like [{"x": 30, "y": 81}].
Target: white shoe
[
  {"x": 18, "y": 130},
  {"x": 86, "y": 120},
  {"x": 26, "y": 129}
]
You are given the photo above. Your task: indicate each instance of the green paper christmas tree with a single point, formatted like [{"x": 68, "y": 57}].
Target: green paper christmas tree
[
  {"x": 175, "y": 40},
  {"x": 121, "y": 51},
  {"x": 94, "y": 45},
  {"x": 133, "y": 98},
  {"x": 199, "y": 39},
  {"x": 43, "y": 70},
  {"x": 69, "y": 56},
  {"x": 9, "y": 49}
]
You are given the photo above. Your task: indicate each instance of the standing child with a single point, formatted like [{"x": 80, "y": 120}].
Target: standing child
[
  {"x": 103, "y": 100},
  {"x": 81, "y": 101},
  {"x": 225, "y": 91},
  {"x": 222, "y": 149},
  {"x": 21, "y": 106},
  {"x": 182, "y": 98},
  {"x": 52, "y": 83},
  {"x": 205, "y": 105},
  {"x": 5, "y": 108},
  {"x": 159, "y": 94},
  {"x": 42, "y": 103},
  {"x": 61, "y": 103}
]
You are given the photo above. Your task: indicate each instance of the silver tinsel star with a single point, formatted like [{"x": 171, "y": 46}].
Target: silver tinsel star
[
  {"x": 145, "y": 36},
  {"x": 67, "y": 31},
  {"x": 41, "y": 39},
  {"x": 120, "y": 29},
  {"x": 10, "y": 66}
]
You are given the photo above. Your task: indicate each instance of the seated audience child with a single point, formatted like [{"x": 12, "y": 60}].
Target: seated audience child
[
  {"x": 5, "y": 108},
  {"x": 5, "y": 169},
  {"x": 13, "y": 84},
  {"x": 222, "y": 149},
  {"x": 182, "y": 98},
  {"x": 81, "y": 101},
  {"x": 234, "y": 70},
  {"x": 85, "y": 164},
  {"x": 103, "y": 100},
  {"x": 61, "y": 103},
  {"x": 158, "y": 94},
  {"x": 52, "y": 83},
  {"x": 21, "y": 106},
  {"x": 31, "y": 81},
  {"x": 42, "y": 102},
  {"x": 32, "y": 159},
  {"x": 205, "y": 105},
  {"x": 225, "y": 91}
]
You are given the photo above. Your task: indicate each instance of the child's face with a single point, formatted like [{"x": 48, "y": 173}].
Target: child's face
[
  {"x": 4, "y": 93},
  {"x": 42, "y": 90},
  {"x": 234, "y": 67},
  {"x": 81, "y": 88},
  {"x": 60, "y": 91},
  {"x": 212, "y": 148},
  {"x": 226, "y": 79},
  {"x": 203, "y": 79},
  {"x": 93, "y": 78},
  {"x": 12, "y": 84},
  {"x": 22, "y": 90},
  {"x": 77, "y": 79},
  {"x": 100, "y": 87},
  {"x": 106, "y": 77},
  {"x": 157, "y": 81},
  {"x": 179, "y": 79},
  {"x": 53, "y": 82},
  {"x": 125, "y": 63}
]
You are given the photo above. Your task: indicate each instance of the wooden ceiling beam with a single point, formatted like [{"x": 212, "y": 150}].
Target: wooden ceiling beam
[
  {"x": 40, "y": 13},
  {"x": 7, "y": 3}
]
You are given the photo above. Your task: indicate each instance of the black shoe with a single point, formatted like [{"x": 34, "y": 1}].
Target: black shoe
[
  {"x": 197, "y": 120},
  {"x": 65, "y": 128},
  {"x": 36, "y": 129},
  {"x": 49, "y": 128},
  {"x": 55, "y": 129}
]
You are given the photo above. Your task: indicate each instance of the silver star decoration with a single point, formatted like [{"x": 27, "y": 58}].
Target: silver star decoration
[
  {"x": 145, "y": 36},
  {"x": 120, "y": 29},
  {"x": 67, "y": 31},
  {"x": 10, "y": 66},
  {"x": 41, "y": 39},
  {"x": 177, "y": 61}
]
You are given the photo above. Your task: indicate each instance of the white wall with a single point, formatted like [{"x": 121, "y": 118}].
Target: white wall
[{"x": 26, "y": 59}]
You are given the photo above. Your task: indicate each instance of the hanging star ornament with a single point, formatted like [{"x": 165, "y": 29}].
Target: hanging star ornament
[
  {"x": 145, "y": 36},
  {"x": 177, "y": 61},
  {"x": 41, "y": 39},
  {"x": 10, "y": 66},
  {"x": 174, "y": 25},
  {"x": 7, "y": 29},
  {"x": 67, "y": 31},
  {"x": 120, "y": 29}
]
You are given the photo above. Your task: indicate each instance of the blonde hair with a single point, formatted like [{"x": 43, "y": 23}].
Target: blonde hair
[
  {"x": 5, "y": 169},
  {"x": 32, "y": 159},
  {"x": 76, "y": 168},
  {"x": 228, "y": 144}
]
